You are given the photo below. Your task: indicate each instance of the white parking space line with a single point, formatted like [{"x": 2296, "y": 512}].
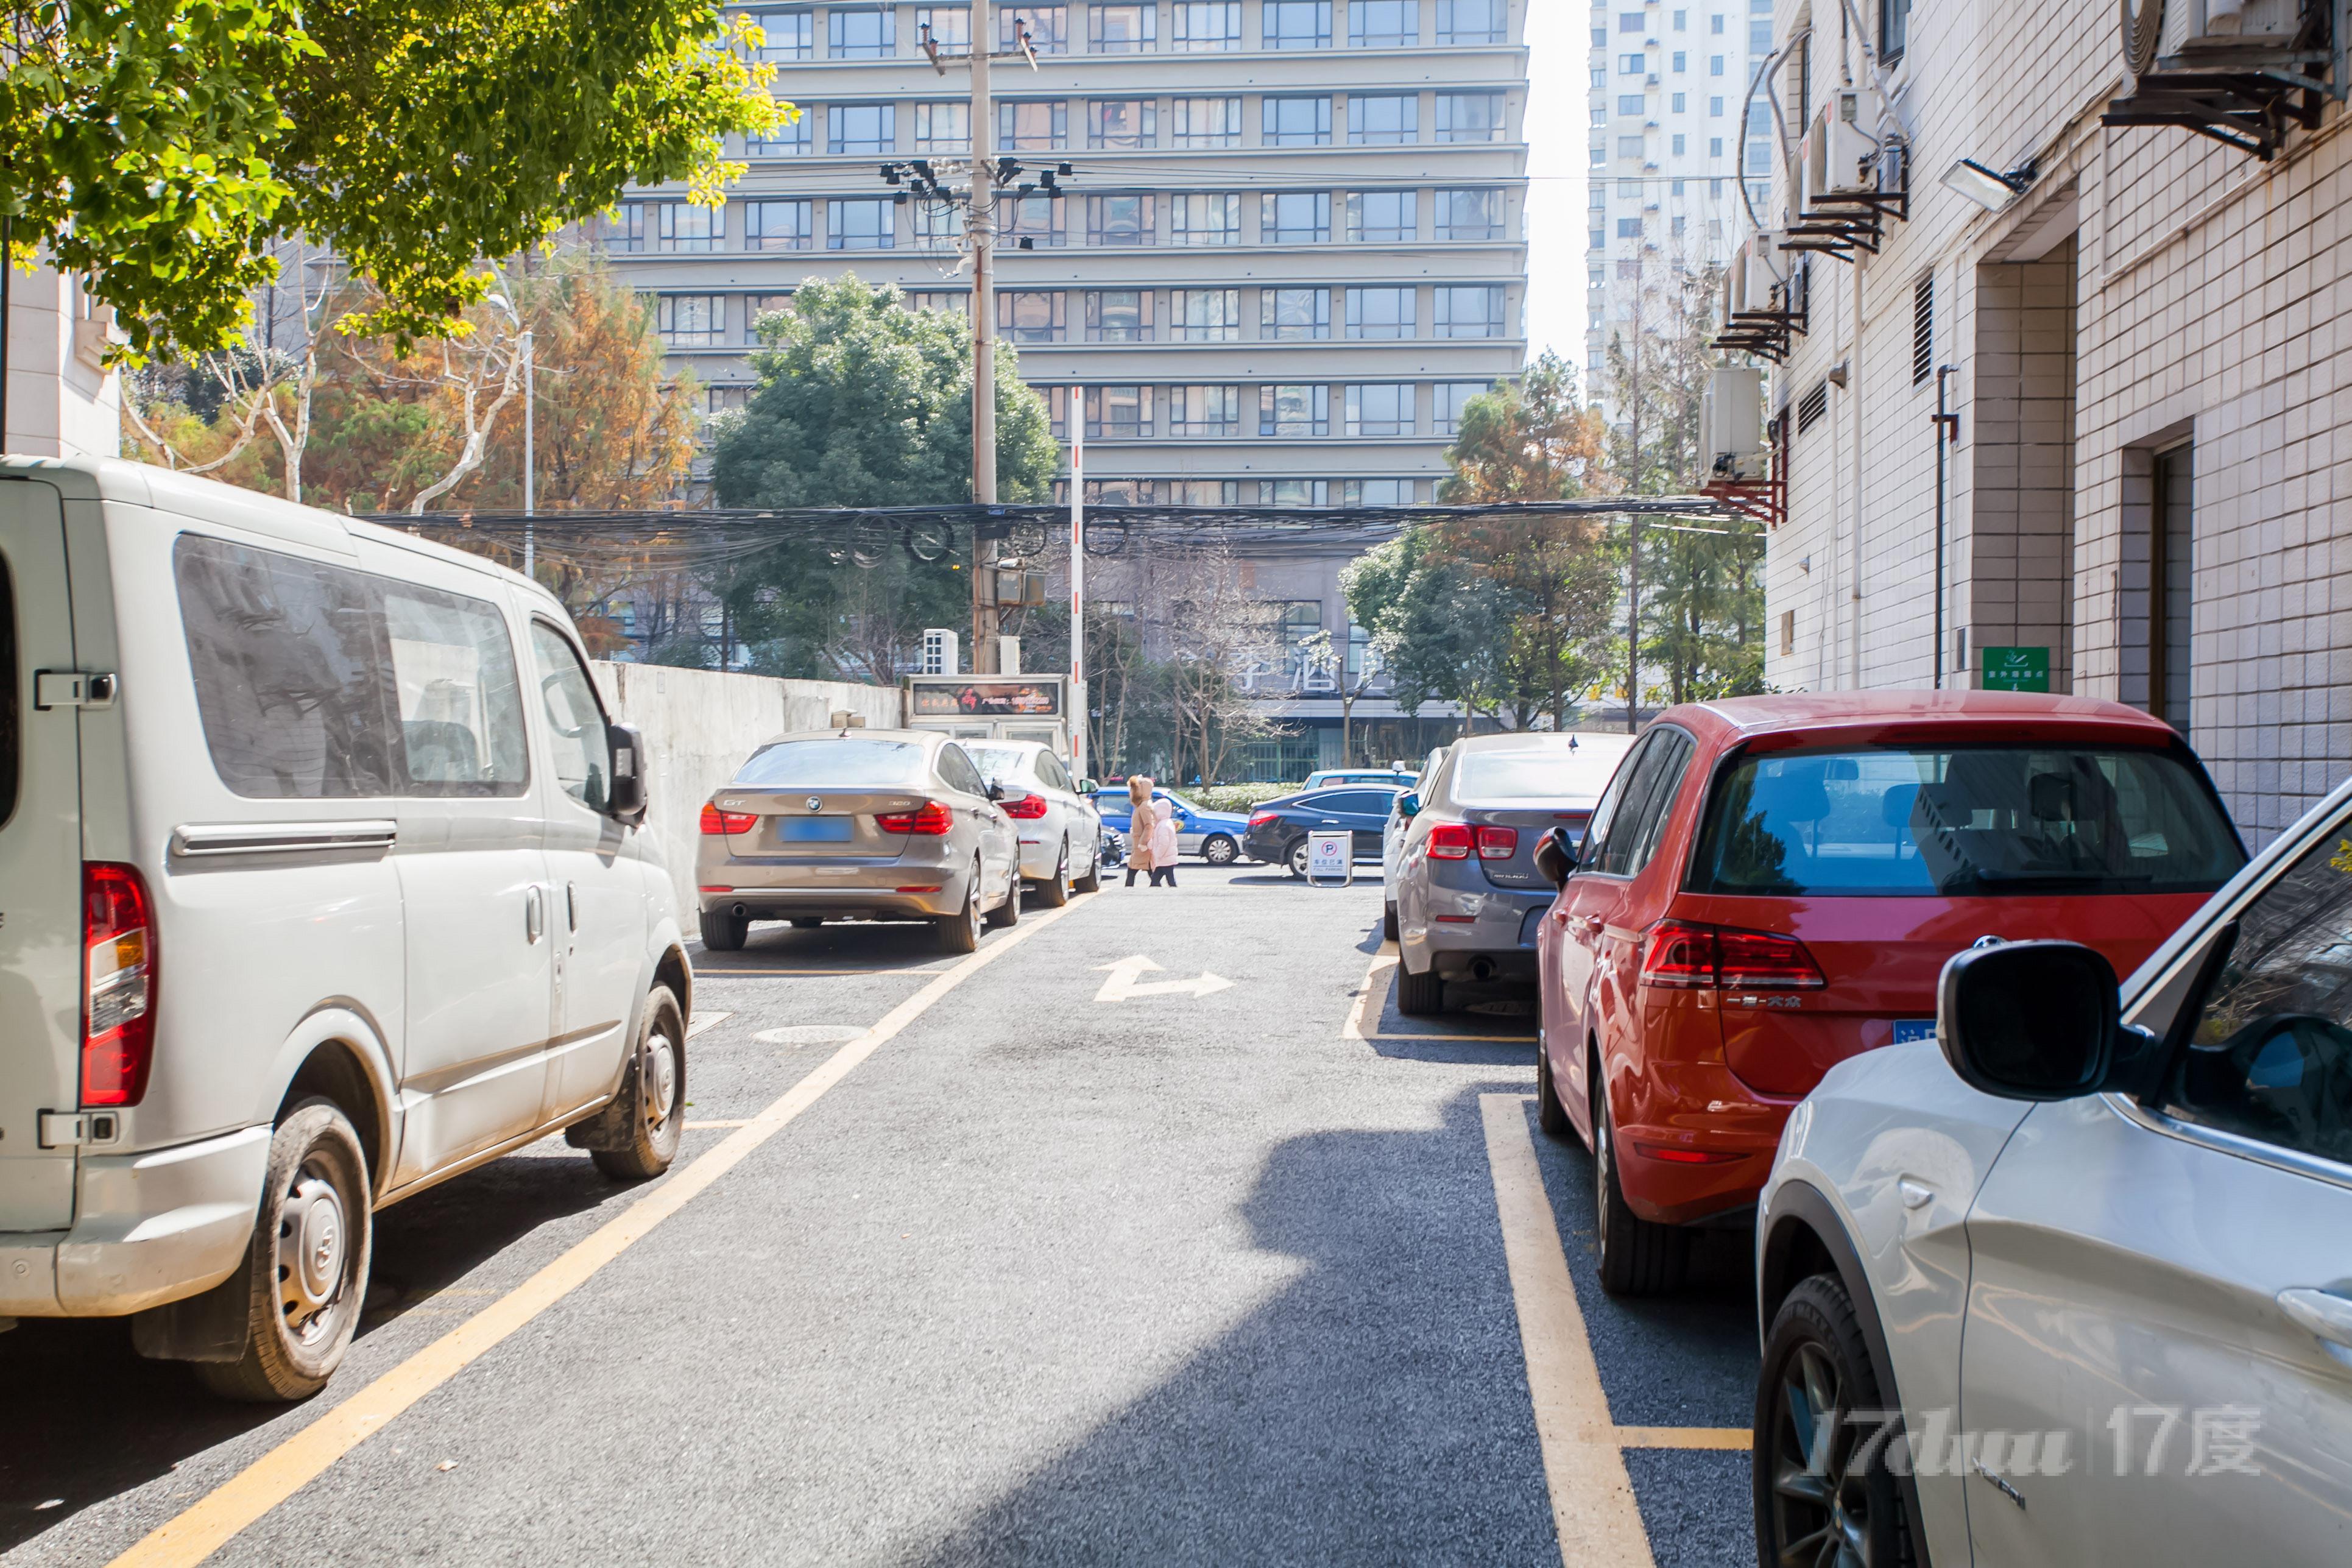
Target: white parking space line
[
  {"x": 701, "y": 1021},
  {"x": 214, "y": 1520},
  {"x": 1592, "y": 1502}
]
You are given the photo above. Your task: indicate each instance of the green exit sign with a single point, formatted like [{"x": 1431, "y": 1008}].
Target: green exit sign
[{"x": 2017, "y": 670}]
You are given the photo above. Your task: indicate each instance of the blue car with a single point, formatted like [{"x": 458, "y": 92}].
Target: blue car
[{"x": 1215, "y": 835}]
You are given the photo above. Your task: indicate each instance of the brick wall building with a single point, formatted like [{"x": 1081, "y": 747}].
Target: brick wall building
[{"x": 2149, "y": 348}]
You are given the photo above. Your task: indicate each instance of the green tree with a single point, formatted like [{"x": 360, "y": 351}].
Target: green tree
[
  {"x": 862, "y": 403},
  {"x": 1440, "y": 627},
  {"x": 158, "y": 147}
]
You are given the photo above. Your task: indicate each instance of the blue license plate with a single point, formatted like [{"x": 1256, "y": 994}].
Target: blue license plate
[
  {"x": 812, "y": 829},
  {"x": 1909, "y": 1029}
]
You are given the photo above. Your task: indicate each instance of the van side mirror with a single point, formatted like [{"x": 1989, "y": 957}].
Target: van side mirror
[
  {"x": 1409, "y": 804},
  {"x": 1556, "y": 857},
  {"x": 2033, "y": 1020},
  {"x": 626, "y": 800}
]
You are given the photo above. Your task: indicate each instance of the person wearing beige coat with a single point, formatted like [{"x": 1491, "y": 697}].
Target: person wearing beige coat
[{"x": 1150, "y": 834}]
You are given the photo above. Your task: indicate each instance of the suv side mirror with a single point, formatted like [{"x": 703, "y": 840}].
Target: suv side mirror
[
  {"x": 626, "y": 800},
  {"x": 1556, "y": 857},
  {"x": 1409, "y": 804},
  {"x": 2031, "y": 1020}
]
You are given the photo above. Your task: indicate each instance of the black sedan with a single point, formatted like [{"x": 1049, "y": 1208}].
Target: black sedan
[{"x": 1277, "y": 830}]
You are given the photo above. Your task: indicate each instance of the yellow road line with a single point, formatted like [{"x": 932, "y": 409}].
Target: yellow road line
[
  {"x": 1363, "y": 1022},
  {"x": 213, "y": 1520},
  {"x": 1592, "y": 1502},
  {"x": 1724, "y": 1438}
]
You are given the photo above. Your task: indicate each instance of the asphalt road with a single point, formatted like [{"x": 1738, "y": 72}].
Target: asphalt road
[{"x": 1178, "y": 1278}]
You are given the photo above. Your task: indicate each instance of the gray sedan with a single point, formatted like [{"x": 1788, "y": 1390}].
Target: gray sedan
[
  {"x": 874, "y": 824},
  {"x": 1467, "y": 891}
]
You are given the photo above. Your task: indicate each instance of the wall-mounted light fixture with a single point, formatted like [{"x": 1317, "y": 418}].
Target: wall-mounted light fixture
[{"x": 1988, "y": 188}]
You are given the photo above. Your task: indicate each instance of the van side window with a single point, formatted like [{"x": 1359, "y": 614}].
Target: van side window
[
  {"x": 11, "y": 720},
  {"x": 460, "y": 703},
  {"x": 316, "y": 682},
  {"x": 583, "y": 756},
  {"x": 288, "y": 660}
]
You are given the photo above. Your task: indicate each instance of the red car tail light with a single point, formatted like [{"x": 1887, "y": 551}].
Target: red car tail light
[
  {"x": 118, "y": 1015},
  {"x": 1764, "y": 961},
  {"x": 715, "y": 821},
  {"x": 1028, "y": 808},
  {"x": 1679, "y": 953},
  {"x": 1450, "y": 841},
  {"x": 1260, "y": 818},
  {"x": 1497, "y": 842},
  {"x": 1677, "y": 1155},
  {"x": 1684, "y": 954},
  {"x": 930, "y": 819}
]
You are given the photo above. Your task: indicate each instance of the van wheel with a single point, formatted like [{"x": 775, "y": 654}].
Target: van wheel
[
  {"x": 723, "y": 933},
  {"x": 1056, "y": 891},
  {"x": 1419, "y": 994},
  {"x": 635, "y": 1136},
  {"x": 1638, "y": 1256},
  {"x": 306, "y": 1270},
  {"x": 960, "y": 933},
  {"x": 1822, "y": 1482}
]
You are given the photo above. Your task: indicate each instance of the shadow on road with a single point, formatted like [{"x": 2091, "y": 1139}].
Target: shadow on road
[
  {"x": 1376, "y": 1410},
  {"x": 87, "y": 1417}
]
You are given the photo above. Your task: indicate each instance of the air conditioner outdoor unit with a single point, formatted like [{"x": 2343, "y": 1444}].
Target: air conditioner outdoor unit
[
  {"x": 2224, "y": 24},
  {"x": 1837, "y": 154},
  {"x": 1755, "y": 270},
  {"x": 1731, "y": 422},
  {"x": 939, "y": 651}
]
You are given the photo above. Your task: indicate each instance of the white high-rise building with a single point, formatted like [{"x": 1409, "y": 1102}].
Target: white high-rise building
[
  {"x": 1292, "y": 243},
  {"x": 1672, "y": 141}
]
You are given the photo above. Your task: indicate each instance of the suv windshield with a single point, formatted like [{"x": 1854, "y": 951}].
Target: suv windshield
[
  {"x": 1979, "y": 821},
  {"x": 795, "y": 764}
]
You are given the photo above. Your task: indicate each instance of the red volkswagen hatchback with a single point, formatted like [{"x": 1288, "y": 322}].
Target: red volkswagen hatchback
[{"x": 1773, "y": 884}]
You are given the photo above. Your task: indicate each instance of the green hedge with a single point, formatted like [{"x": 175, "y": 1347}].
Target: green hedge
[{"x": 1238, "y": 796}]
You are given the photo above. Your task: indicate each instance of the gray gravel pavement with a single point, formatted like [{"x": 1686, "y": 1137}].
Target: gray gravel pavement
[{"x": 1047, "y": 1280}]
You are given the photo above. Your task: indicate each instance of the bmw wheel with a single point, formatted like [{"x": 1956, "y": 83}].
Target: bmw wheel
[
  {"x": 1055, "y": 891},
  {"x": 960, "y": 933}
]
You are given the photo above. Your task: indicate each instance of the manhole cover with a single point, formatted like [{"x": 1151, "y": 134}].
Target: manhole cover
[
  {"x": 1502, "y": 1009},
  {"x": 809, "y": 1034}
]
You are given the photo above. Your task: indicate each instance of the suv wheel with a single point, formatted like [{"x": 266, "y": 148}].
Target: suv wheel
[
  {"x": 1549, "y": 1114},
  {"x": 1295, "y": 859},
  {"x": 1218, "y": 850},
  {"x": 724, "y": 932},
  {"x": 306, "y": 1270},
  {"x": 1825, "y": 1491},
  {"x": 1638, "y": 1256},
  {"x": 1419, "y": 994}
]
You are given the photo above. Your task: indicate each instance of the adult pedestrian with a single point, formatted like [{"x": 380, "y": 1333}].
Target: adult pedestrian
[{"x": 1150, "y": 834}]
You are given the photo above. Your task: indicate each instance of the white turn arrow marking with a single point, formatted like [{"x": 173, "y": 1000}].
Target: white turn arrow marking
[{"x": 1123, "y": 984}]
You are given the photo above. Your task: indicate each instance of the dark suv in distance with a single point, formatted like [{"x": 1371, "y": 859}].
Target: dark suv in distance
[{"x": 1277, "y": 830}]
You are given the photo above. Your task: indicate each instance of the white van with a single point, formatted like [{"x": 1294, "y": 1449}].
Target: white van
[{"x": 321, "y": 880}]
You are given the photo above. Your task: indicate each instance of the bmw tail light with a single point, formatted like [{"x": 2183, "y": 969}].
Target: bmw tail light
[
  {"x": 1260, "y": 818},
  {"x": 715, "y": 821},
  {"x": 1497, "y": 842},
  {"x": 1764, "y": 961},
  {"x": 118, "y": 1016},
  {"x": 932, "y": 819},
  {"x": 1450, "y": 841},
  {"x": 1028, "y": 808},
  {"x": 1679, "y": 953}
]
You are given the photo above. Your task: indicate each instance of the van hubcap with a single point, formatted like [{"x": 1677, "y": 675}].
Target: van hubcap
[
  {"x": 660, "y": 1080},
  {"x": 313, "y": 1236}
]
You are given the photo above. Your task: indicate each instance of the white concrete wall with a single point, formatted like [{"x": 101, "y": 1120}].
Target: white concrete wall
[
  {"x": 700, "y": 725},
  {"x": 62, "y": 400}
]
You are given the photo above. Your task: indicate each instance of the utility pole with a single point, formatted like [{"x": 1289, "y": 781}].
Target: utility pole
[
  {"x": 1078, "y": 594},
  {"x": 529, "y": 455},
  {"x": 982, "y": 228},
  {"x": 1634, "y": 575}
]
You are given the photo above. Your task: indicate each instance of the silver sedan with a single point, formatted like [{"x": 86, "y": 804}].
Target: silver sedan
[
  {"x": 893, "y": 825},
  {"x": 1061, "y": 831}
]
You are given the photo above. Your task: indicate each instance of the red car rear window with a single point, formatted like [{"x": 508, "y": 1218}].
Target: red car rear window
[{"x": 1980, "y": 820}]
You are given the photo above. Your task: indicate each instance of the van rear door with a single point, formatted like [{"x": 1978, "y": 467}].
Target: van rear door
[{"x": 40, "y": 860}]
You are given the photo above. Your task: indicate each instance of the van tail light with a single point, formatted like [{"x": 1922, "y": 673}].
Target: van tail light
[
  {"x": 1028, "y": 808},
  {"x": 118, "y": 1015},
  {"x": 1679, "y": 954},
  {"x": 1450, "y": 841},
  {"x": 930, "y": 819},
  {"x": 1497, "y": 842},
  {"x": 1764, "y": 961},
  {"x": 715, "y": 821},
  {"x": 1684, "y": 954},
  {"x": 1260, "y": 818}
]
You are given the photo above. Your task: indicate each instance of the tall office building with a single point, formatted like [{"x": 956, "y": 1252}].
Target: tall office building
[
  {"x": 1669, "y": 152},
  {"x": 1291, "y": 245}
]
